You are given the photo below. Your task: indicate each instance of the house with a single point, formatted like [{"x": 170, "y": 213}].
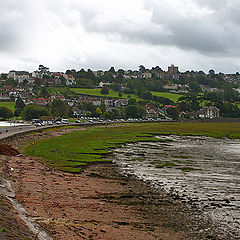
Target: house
[
  {"x": 53, "y": 97},
  {"x": 57, "y": 74},
  {"x": 147, "y": 75},
  {"x": 41, "y": 101},
  {"x": 70, "y": 80},
  {"x": 5, "y": 97},
  {"x": 109, "y": 103},
  {"x": 101, "y": 84},
  {"x": 151, "y": 111},
  {"x": 96, "y": 102},
  {"x": 209, "y": 112},
  {"x": 171, "y": 86},
  {"x": 121, "y": 103},
  {"x": 19, "y": 76},
  {"x": 98, "y": 73}
]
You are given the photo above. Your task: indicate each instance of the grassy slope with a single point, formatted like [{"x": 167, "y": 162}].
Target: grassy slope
[
  {"x": 172, "y": 96},
  {"x": 73, "y": 150},
  {"x": 9, "y": 105},
  {"x": 96, "y": 92}
]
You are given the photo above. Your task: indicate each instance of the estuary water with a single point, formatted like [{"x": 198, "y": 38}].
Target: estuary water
[
  {"x": 199, "y": 171},
  {"x": 11, "y": 124}
]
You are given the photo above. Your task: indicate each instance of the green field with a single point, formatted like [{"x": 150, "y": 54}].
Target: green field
[
  {"x": 172, "y": 96},
  {"x": 73, "y": 150},
  {"x": 9, "y": 105},
  {"x": 96, "y": 92}
]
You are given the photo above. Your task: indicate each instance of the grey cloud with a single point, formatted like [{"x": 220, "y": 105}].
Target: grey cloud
[
  {"x": 210, "y": 33},
  {"x": 157, "y": 29}
]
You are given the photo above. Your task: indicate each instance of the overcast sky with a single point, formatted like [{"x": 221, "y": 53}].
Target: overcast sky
[{"x": 98, "y": 34}]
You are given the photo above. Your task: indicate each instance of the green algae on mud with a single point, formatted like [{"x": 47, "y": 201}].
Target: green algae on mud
[{"x": 72, "y": 151}]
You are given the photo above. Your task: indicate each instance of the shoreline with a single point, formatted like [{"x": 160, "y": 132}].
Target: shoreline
[{"x": 100, "y": 204}]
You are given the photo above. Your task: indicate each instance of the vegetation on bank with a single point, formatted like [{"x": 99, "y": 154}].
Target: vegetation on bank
[
  {"x": 171, "y": 96},
  {"x": 72, "y": 151},
  {"x": 9, "y": 105}
]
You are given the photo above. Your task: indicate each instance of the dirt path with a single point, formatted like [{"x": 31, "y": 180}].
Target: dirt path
[{"x": 96, "y": 204}]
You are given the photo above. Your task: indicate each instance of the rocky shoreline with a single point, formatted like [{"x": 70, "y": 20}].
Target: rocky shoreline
[{"x": 99, "y": 203}]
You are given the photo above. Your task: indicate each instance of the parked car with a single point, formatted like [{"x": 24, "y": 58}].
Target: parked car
[
  {"x": 65, "y": 121},
  {"x": 38, "y": 124}
]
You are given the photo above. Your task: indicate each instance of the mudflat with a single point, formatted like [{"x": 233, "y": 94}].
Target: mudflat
[{"x": 98, "y": 203}]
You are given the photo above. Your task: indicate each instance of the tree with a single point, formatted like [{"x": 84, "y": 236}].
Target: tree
[
  {"x": 214, "y": 96},
  {"x": 173, "y": 112},
  {"x": 229, "y": 110},
  {"x": 132, "y": 101},
  {"x": 17, "y": 112},
  {"x": 5, "y": 113},
  {"x": 195, "y": 87},
  {"x": 104, "y": 90},
  {"x": 88, "y": 106},
  {"x": 60, "y": 108},
  {"x": 44, "y": 92},
  {"x": 134, "y": 111},
  {"x": 33, "y": 111},
  {"x": 113, "y": 114},
  {"x": 211, "y": 71},
  {"x": 147, "y": 95},
  {"x": 98, "y": 111},
  {"x": 19, "y": 103},
  {"x": 11, "y": 82},
  {"x": 103, "y": 107},
  {"x": 112, "y": 70},
  {"x": 142, "y": 69}
]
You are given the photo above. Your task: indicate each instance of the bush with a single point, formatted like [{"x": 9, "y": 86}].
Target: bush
[{"x": 5, "y": 113}]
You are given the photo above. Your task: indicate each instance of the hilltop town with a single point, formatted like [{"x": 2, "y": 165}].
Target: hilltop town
[{"x": 119, "y": 94}]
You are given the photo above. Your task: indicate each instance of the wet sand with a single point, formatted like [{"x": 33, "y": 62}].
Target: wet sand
[{"x": 98, "y": 203}]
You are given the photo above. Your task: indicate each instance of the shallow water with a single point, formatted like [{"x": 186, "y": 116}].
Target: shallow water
[{"x": 200, "y": 171}]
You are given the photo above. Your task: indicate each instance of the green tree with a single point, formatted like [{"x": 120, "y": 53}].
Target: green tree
[
  {"x": 60, "y": 108},
  {"x": 104, "y": 90},
  {"x": 173, "y": 112},
  {"x": 103, "y": 107},
  {"x": 88, "y": 106},
  {"x": 229, "y": 110},
  {"x": 11, "y": 82},
  {"x": 19, "y": 103},
  {"x": 194, "y": 86},
  {"x": 113, "y": 114},
  {"x": 33, "y": 111},
  {"x": 134, "y": 111},
  {"x": 132, "y": 101},
  {"x": 5, "y": 113},
  {"x": 147, "y": 95},
  {"x": 44, "y": 92}
]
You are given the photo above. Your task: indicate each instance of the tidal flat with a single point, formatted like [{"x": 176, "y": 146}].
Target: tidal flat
[{"x": 186, "y": 177}]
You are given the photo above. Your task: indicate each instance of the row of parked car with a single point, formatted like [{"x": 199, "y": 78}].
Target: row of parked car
[{"x": 39, "y": 123}]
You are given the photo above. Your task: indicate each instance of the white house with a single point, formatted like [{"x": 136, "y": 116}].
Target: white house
[
  {"x": 101, "y": 84},
  {"x": 209, "y": 112},
  {"x": 19, "y": 76}
]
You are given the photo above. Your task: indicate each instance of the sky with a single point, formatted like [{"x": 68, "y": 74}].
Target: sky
[{"x": 97, "y": 34}]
